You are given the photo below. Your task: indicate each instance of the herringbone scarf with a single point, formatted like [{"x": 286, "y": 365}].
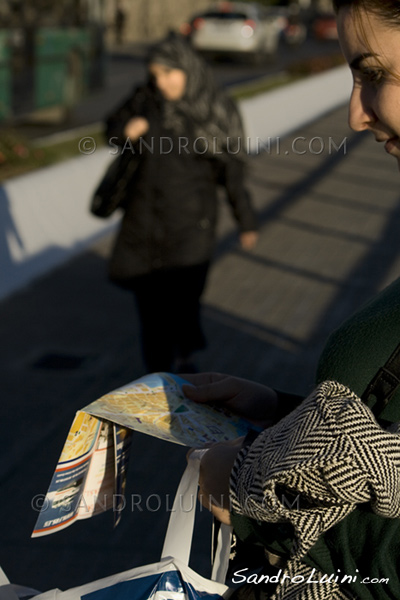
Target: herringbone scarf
[{"x": 333, "y": 455}]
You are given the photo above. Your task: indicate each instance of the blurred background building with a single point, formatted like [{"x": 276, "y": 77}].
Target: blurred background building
[{"x": 53, "y": 53}]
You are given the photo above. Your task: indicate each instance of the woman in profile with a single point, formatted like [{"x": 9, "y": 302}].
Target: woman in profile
[
  {"x": 186, "y": 138},
  {"x": 316, "y": 493}
]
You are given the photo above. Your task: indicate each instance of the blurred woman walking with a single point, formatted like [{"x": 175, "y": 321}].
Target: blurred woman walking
[{"x": 187, "y": 140}]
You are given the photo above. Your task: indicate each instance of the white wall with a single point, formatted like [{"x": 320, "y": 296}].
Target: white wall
[
  {"x": 44, "y": 217},
  {"x": 285, "y": 109}
]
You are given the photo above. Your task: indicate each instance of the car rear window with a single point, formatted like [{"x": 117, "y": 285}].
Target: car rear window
[{"x": 225, "y": 15}]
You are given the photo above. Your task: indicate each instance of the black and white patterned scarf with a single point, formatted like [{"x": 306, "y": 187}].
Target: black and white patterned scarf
[
  {"x": 211, "y": 113},
  {"x": 333, "y": 455}
]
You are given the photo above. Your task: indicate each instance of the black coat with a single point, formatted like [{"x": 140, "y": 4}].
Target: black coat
[{"x": 170, "y": 217}]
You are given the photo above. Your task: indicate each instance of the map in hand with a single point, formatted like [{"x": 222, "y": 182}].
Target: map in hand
[{"x": 156, "y": 405}]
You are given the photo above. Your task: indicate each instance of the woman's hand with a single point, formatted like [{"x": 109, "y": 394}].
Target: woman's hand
[
  {"x": 136, "y": 128},
  {"x": 248, "y": 239},
  {"x": 252, "y": 401},
  {"x": 215, "y": 470}
]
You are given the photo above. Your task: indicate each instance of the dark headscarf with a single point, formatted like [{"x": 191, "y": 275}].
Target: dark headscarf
[{"x": 210, "y": 112}]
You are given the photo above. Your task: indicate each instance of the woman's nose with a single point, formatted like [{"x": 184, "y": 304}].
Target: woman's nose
[
  {"x": 361, "y": 114},
  {"x": 160, "y": 82}
]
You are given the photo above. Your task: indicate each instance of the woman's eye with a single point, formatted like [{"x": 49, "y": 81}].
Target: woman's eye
[{"x": 373, "y": 76}]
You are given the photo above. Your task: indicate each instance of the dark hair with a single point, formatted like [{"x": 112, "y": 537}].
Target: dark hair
[{"x": 387, "y": 10}]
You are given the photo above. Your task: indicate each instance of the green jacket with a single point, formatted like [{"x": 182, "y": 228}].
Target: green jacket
[{"x": 363, "y": 545}]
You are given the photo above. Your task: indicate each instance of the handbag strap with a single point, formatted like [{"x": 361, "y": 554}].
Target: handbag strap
[
  {"x": 222, "y": 553},
  {"x": 178, "y": 539},
  {"x": 384, "y": 384},
  {"x": 3, "y": 578}
]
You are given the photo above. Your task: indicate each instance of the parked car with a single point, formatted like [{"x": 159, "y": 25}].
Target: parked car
[
  {"x": 324, "y": 27},
  {"x": 235, "y": 28}
]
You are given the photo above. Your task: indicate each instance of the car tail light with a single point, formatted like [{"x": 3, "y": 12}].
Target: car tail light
[
  {"x": 250, "y": 23},
  {"x": 198, "y": 23}
]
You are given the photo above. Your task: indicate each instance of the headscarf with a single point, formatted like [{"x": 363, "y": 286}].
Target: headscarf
[{"x": 209, "y": 111}]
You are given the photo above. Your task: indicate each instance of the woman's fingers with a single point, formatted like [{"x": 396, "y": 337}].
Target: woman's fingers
[{"x": 211, "y": 391}]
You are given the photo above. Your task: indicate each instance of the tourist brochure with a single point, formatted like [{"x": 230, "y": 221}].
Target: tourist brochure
[{"x": 90, "y": 474}]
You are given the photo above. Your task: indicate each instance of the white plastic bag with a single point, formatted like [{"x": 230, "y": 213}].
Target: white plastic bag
[{"x": 171, "y": 578}]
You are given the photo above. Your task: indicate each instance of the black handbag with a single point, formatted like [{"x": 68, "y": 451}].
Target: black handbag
[{"x": 112, "y": 191}]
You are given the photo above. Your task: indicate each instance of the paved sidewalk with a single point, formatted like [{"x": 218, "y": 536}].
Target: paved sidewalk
[{"x": 330, "y": 214}]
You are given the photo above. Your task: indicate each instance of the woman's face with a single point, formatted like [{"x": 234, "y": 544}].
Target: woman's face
[
  {"x": 170, "y": 82},
  {"x": 375, "y": 100}
]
